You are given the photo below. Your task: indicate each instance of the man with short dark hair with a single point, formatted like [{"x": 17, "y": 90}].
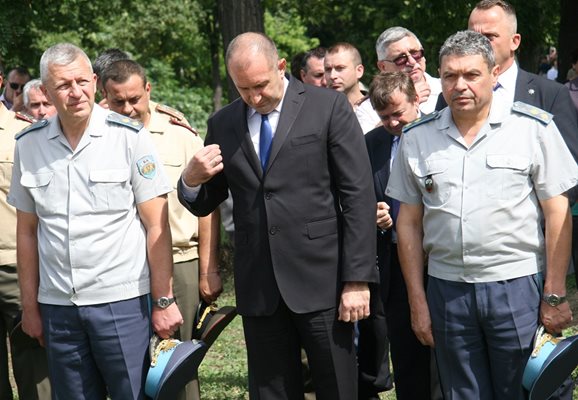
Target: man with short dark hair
[
  {"x": 127, "y": 91},
  {"x": 15, "y": 81},
  {"x": 343, "y": 71},
  {"x": 99, "y": 65},
  {"x": 496, "y": 19},
  {"x": 395, "y": 100},
  {"x": 312, "y": 71},
  {"x": 474, "y": 182}
]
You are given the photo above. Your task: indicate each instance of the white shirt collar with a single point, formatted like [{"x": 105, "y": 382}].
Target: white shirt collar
[{"x": 507, "y": 80}]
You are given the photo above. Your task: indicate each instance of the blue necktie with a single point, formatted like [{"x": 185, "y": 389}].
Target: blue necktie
[
  {"x": 265, "y": 139},
  {"x": 394, "y": 202}
]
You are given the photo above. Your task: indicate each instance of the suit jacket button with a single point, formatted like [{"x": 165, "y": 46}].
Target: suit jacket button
[
  {"x": 268, "y": 195},
  {"x": 274, "y": 230}
]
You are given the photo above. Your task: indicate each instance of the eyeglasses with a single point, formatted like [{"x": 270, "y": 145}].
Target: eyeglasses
[
  {"x": 16, "y": 86},
  {"x": 401, "y": 60}
]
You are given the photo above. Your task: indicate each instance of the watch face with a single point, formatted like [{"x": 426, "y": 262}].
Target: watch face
[
  {"x": 553, "y": 300},
  {"x": 163, "y": 302}
]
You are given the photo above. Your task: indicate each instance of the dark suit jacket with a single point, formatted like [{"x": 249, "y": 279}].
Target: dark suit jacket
[
  {"x": 549, "y": 96},
  {"x": 306, "y": 225},
  {"x": 379, "y": 142}
]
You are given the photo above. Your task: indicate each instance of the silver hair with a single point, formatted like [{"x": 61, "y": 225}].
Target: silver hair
[
  {"x": 468, "y": 43},
  {"x": 60, "y": 54},
  {"x": 33, "y": 84},
  {"x": 389, "y": 36}
]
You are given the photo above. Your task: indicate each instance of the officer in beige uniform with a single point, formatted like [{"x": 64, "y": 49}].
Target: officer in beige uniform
[
  {"x": 28, "y": 362},
  {"x": 194, "y": 239}
]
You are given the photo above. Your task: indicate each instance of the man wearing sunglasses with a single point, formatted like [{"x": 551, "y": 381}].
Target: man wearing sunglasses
[
  {"x": 12, "y": 95},
  {"x": 398, "y": 49}
]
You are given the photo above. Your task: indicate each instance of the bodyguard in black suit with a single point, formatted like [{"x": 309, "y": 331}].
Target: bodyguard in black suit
[
  {"x": 396, "y": 102},
  {"x": 304, "y": 214},
  {"x": 496, "y": 19}
]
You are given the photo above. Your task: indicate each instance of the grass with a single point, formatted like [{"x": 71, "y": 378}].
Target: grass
[{"x": 223, "y": 374}]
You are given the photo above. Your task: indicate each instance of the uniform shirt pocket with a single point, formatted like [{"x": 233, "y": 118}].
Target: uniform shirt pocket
[
  {"x": 6, "y": 165},
  {"x": 173, "y": 169},
  {"x": 434, "y": 180},
  {"x": 110, "y": 189},
  {"x": 42, "y": 189},
  {"x": 508, "y": 175}
]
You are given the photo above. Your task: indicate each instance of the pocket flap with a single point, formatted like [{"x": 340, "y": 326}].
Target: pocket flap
[
  {"x": 430, "y": 167},
  {"x": 299, "y": 140},
  {"x": 507, "y": 161},
  {"x": 325, "y": 227},
  {"x": 36, "y": 180},
  {"x": 170, "y": 160},
  {"x": 110, "y": 175}
]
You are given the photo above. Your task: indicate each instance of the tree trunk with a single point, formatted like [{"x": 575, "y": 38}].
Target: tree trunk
[
  {"x": 567, "y": 37},
  {"x": 236, "y": 17},
  {"x": 212, "y": 26}
]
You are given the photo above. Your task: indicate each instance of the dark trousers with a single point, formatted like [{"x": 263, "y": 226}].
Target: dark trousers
[
  {"x": 575, "y": 246},
  {"x": 483, "y": 335},
  {"x": 274, "y": 355},
  {"x": 94, "y": 348},
  {"x": 373, "y": 349},
  {"x": 412, "y": 364},
  {"x": 28, "y": 357}
]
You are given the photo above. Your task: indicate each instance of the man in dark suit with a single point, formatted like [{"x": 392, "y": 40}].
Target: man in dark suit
[
  {"x": 294, "y": 160},
  {"x": 395, "y": 100},
  {"x": 496, "y": 19}
]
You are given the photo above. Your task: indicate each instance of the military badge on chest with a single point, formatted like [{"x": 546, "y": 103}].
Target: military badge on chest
[{"x": 429, "y": 184}]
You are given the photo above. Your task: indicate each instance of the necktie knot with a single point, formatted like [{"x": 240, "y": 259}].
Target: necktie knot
[{"x": 265, "y": 140}]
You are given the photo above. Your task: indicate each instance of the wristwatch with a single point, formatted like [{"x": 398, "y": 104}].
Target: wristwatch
[
  {"x": 164, "y": 302},
  {"x": 553, "y": 299}
]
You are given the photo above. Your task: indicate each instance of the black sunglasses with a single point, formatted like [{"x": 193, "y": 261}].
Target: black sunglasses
[
  {"x": 401, "y": 60},
  {"x": 16, "y": 86}
]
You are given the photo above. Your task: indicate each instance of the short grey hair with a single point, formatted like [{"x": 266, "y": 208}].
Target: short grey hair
[
  {"x": 468, "y": 43},
  {"x": 33, "y": 84},
  {"x": 389, "y": 36},
  {"x": 60, "y": 54}
]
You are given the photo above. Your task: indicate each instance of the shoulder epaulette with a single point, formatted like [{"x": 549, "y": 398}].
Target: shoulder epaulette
[
  {"x": 170, "y": 111},
  {"x": 25, "y": 117},
  {"x": 175, "y": 121},
  {"x": 421, "y": 120},
  {"x": 537, "y": 113},
  {"x": 124, "y": 121},
  {"x": 40, "y": 124}
]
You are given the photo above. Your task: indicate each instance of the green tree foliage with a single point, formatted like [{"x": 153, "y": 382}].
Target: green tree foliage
[
  {"x": 287, "y": 30},
  {"x": 179, "y": 42}
]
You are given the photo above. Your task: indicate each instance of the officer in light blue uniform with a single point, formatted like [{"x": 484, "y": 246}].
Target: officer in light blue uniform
[
  {"x": 475, "y": 181},
  {"x": 93, "y": 237}
]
